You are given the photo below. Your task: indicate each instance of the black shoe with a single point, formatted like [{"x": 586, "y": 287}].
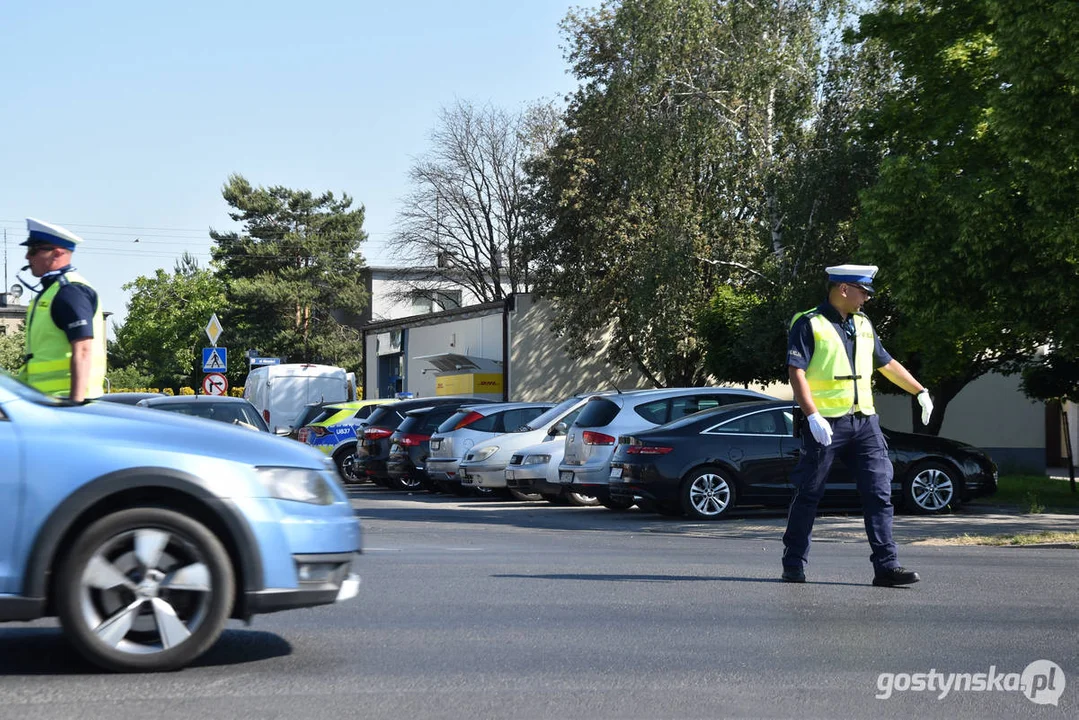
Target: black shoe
[
  {"x": 893, "y": 577},
  {"x": 794, "y": 575}
]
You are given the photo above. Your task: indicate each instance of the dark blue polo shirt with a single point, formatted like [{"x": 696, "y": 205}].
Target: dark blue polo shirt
[
  {"x": 800, "y": 340},
  {"x": 73, "y": 307}
]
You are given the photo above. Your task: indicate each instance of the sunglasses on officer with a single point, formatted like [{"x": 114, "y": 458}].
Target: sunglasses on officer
[{"x": 861, "y": 289}]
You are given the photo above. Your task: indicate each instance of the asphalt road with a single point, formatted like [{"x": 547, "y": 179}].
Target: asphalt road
[{"x": 514, "y": 610}]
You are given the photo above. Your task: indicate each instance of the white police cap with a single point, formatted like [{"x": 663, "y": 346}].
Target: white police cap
[
  {"x": 43, "y": 233},
  {"x": 860, "y": 275}
]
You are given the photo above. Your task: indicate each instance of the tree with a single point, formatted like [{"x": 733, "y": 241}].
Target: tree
[
  {"x": 668, "y": 183},
  {"x": 12, "y": 349},
  {"x": 293, "y": 275},
  {"x": 160, "y": 339},
  {"x": 744, "y": 327},
  {"x": 462, "y": 220},
  {"x": 1055, "y": 378},
  {"x": 957, "y": 217}
]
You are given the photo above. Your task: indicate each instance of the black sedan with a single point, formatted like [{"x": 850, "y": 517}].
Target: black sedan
[{"x": 706, "y": 463}]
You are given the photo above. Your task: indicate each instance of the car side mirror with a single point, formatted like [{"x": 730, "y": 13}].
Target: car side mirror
[{"x": 558, "y": 429}]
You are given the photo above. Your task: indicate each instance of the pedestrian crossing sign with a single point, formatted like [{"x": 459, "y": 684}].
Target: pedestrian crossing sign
[{"x": 215, "y": 359}]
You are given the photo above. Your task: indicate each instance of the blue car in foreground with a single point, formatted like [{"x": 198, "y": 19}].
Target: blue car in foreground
[{"x": 144, "y": 532}]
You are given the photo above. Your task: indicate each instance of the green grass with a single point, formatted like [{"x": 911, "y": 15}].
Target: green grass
[
  {"x": 1036, "y": 538},
  {"x": 1033, "y": 494}
]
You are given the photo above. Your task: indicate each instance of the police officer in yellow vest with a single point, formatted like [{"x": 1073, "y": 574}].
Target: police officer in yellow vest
[
  {"x": 65, "y": 328},
  {"x": 832, "y": 351}
]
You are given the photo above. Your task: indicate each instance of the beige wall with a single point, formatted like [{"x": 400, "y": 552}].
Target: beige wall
[{"x": 541, "y": 369}]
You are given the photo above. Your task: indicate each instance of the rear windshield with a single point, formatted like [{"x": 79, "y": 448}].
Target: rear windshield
[
  {"x": 426, "y": 423},
  {"x": 386, "y": 416},
  {"x": 597, "y": 412},
  {"x": 309, "y": 413}
]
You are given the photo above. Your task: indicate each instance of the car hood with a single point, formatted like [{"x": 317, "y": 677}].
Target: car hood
[
  {"x": 915, "y": 441},
  {"x": 125, "y": 425}
]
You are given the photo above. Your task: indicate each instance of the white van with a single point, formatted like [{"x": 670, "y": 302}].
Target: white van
[{"x": 280, "y": 392}]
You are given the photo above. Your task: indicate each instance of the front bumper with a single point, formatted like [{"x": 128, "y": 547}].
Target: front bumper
[
  {"x": 331, "y": 579},
  {"x": 530, "y": 478},
  {"x": 488, "y": 476}
]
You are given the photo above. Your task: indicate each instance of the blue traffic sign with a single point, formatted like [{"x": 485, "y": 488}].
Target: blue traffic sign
[
  {"x": 215, "y": 359},
  {"x": 256, "y": 361}
]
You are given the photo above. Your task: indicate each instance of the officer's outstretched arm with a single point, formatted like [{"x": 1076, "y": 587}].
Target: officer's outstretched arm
[{"x": 900, "y": 376}]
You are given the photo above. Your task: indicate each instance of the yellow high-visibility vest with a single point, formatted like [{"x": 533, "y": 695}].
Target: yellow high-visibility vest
[
  {"x": 48, "y": 367},
  {"x": 831, "y": 379}
]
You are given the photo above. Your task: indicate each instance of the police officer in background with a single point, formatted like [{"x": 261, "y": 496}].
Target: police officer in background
[
  {"x": 832, "y": 351},
  {"x": 65, "y": 328}
]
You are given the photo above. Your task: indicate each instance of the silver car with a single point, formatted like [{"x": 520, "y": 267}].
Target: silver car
[
  {"x": 593, "y": 436},
  {"x": 471, "y": 425},
  {"x": 534, "y": 470},
  {"x": 484, "y": 465}
]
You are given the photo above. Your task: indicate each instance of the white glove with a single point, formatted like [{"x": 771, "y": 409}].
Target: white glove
[
  {"x": 822, "y": 431},
  {"x": 927, "y": 405}
]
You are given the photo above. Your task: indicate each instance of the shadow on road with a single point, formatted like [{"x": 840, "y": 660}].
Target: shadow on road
[
  {"x": 45, "y": 651},
  {"x": 660, "y": 578}
]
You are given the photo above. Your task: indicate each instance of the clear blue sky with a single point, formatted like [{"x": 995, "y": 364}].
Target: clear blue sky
[{"x": 122, "y": 120}]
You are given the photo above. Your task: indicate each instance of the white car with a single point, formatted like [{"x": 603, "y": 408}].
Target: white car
[
  {"x": 534, "y": 469},
  {"x": 592, "y": 437}
]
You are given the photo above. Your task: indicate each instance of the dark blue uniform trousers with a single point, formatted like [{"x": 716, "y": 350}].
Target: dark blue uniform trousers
[{"x": 856, "y": 439}]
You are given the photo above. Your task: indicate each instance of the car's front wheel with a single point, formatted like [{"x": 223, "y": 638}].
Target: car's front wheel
[
  {"x": 144, "y": 590},
  {"x": 707, "y": 494},
  {"x": 931, "y": 488}
]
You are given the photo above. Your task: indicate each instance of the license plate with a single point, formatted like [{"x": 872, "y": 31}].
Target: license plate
[
  {"x": 466, "y": 478},
  {"x": 565, "y": 477},
  {"x": 616, "y": 472},
  {"x": 436, "y": 444}
]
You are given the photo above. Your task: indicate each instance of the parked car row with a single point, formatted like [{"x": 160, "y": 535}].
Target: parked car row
[{"x": 697, "y": 452}]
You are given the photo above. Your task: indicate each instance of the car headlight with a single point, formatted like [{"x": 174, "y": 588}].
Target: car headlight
[
  {"x": 536, "y": 460},
  {"x": 484, "y": 453},
  {"x": 296, "y": 484}
]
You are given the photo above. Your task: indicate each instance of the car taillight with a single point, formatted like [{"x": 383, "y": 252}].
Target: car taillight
[
  {"x": 411, "y": 439},
  {"x": 648, "y": 449},
  {"x": 596, "y": 438},
  {"x": 376, "y": 433},
  {"x": 266, "y": 416},
  {"x": 467, "y": 420}
]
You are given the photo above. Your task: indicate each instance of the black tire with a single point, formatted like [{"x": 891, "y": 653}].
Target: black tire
[
  {"x": 144, "y": 590},
  {"x": 525, "y": 496},
  {"x": 617, "y": 503},
  {"x": 408, "y": 483},
  {"x": 577, "y": 499},
  {"x": 555, "y": 498},
  {"x": 931, "y": 488},
  {"x": 707, "y": 493},
  {"x": 347, "y": 467}
]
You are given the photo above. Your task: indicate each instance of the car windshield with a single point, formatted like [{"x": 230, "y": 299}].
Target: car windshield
[
  {"x": 11, "y": 384},
  {"x": 550, "y": 416}
]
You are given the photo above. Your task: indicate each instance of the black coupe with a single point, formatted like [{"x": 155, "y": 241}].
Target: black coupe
[{"x": 704, "y": 464}]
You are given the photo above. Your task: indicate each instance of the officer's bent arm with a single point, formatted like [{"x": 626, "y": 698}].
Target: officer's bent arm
[
  {"x": 800, "y": 386},
  {"x": 900, "y": 376},
  {"x": 81, "y": 359}
]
